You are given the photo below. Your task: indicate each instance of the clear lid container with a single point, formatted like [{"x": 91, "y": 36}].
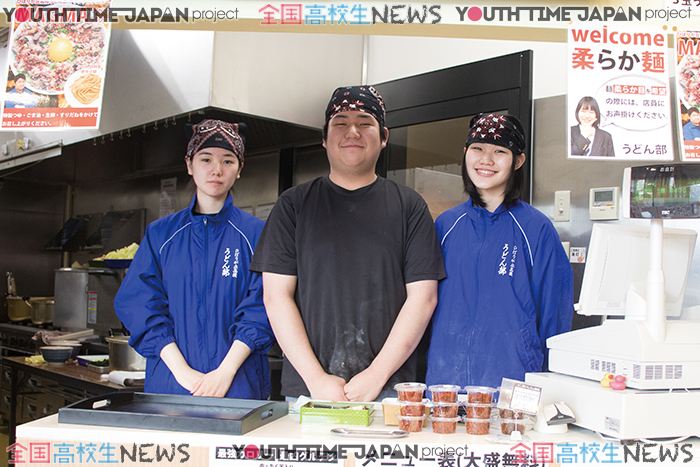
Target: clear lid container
[
  {"x": 410, "y": 391},
  {"x": 480, "y": 394}
]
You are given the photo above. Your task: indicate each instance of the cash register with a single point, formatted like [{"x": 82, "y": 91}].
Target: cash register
[{"x": 636, "y": 275}]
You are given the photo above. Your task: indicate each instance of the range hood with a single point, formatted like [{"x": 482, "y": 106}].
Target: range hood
[{"x": 278, "y": 83}]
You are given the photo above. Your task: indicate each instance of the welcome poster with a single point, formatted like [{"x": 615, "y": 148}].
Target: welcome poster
[{"x": 618, "y": 104}]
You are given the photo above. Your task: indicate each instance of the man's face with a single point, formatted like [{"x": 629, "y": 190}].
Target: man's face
[
  {"x": 19, "y": 84},
  {"x": 353, "y": 142},
  {"x": 695, "y": 118}
]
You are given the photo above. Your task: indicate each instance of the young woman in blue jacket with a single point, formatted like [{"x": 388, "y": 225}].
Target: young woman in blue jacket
[
  {"x": 509, "y": 284},
  {"x": 193, "y": 308}
]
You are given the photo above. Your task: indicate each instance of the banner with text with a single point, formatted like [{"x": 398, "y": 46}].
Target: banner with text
[
  {"x": 688, "y": 92},
  {"x": 619, "y": 105},
  {"x": 56, "y": 60}
]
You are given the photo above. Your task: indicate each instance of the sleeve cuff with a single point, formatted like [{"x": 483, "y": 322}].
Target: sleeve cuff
[{"x": 162, "y": 343}]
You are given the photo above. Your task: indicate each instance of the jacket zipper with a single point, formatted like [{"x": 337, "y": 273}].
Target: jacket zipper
[
  {"x": 479, "y": 249},
  {"x": 205, "y": 282}
]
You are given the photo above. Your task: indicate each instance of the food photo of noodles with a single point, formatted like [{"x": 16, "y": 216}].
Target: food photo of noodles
[
  {"x": 83, "y": 89},
  {"x": 49, "y": 53},
  {"x": 689, "y": 79}
]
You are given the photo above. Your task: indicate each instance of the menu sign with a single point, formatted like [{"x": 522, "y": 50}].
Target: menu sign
[
  {"x": 56, "y": 65},
  {"x": 618, "y": 93},
  {"x": 688, "y": 92}
]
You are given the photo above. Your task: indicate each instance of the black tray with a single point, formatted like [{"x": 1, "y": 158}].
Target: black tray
[{"x": 173, "y": 413}]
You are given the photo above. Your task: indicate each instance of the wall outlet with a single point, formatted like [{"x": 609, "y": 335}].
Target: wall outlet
[{"x": 562, "y": 203}]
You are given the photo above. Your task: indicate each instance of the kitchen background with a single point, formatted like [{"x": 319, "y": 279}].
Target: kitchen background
[{"x": 158, "y": 80}]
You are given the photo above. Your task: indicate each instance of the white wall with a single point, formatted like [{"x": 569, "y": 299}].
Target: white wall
[{"x": 283, "y": 76}]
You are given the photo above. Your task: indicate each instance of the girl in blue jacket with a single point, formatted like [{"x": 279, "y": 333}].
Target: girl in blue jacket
[
  {"x": 509, "y": 284},
  {"x": 193, "y": 308}
]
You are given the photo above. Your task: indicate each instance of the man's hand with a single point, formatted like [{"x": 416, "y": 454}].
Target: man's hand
[
  {"x": 364, "y": 386},
  {"x": 327, "y": 388}
]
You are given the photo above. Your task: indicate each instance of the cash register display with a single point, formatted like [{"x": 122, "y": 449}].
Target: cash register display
[{"x": 665, "y": 192}]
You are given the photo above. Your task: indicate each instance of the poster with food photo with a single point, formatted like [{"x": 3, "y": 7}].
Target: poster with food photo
[
  {"x": 688, "y": 92},
  {"x": 619, "y": 100},
  {"x": 57, "y": 56}
]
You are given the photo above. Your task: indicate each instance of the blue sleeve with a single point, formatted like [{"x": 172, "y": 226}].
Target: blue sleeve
[
  {"x": 687, "y": 133},
  {"x": 251, "y": 325},
  {"x": 142, "y": 305},
  {"x": 552, "y": 288}
]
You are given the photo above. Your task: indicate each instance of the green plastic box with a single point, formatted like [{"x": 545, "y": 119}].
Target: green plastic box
[{"x": 337, "y": 413}]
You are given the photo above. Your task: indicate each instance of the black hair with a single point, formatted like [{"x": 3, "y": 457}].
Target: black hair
[
  {"x": 589, "y": 103},
  {"x": 693, "y": 110},
  {"x": 514, "y": 185},
  {"x": 20, "y": 76}
]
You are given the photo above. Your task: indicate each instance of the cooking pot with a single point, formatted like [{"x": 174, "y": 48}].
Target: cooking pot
[
  {"x": 122, "y": 356},
  {"x": 18, "y": 308},
  {"x": 42, "y": 309}
]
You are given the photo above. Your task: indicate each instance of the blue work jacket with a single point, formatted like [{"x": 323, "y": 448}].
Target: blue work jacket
[
  {"x": 189, "y": 283},
  {"x": 509, "y": 287}
]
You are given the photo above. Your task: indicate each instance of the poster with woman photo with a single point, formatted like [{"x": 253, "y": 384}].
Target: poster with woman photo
[
  {"x": 688, "y": 92},
  {"x": 618, "y": 104}
]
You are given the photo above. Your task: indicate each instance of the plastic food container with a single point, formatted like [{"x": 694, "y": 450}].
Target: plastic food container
[
  {"x": 478, "y": 411},
  {"x": 391, "y": 408},
  {"x": 444, "y": 426},
  {"x": 509, "y": 425},
  {"x": 444, "y": 392},
  {"x": 480, "y": 394},
  {"x": 412, "y": 409},
  {"x": 477, "y": 426},
  {"x": 445, "y": 409},
  {"x": 411, "y": 424},
  {"x": 511, "y": 414},
  {"x": 412, "y": 392}
]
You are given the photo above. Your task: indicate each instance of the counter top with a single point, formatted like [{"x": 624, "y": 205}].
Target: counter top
[
  {"x": 77, "y": 375},
  {"x": 287, "y": 443},
  {"x": 286, "y": 429}
]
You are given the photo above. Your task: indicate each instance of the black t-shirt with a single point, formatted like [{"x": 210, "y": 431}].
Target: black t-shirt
[{"x": 352, "y": 252}]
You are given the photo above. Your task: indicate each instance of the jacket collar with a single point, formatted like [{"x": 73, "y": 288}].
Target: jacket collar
[
  {"x": 476, "y": 212},
  {"x": 219, "y": 217}
]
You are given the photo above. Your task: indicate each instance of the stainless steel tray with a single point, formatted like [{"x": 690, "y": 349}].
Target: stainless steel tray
[
  {"x": 173, "y": 413},
  {"x": 368, "y": 433}
]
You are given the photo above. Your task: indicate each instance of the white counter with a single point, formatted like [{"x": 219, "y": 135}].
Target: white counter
[{"x": 61, "y": 441}]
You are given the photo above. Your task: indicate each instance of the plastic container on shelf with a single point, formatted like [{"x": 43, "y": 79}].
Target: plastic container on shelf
[
  {"x": 476, "y": 426},
  {"x": 444, "y": 392},
  {"x": 412, "y": 392},
  {"x": 480, "y": 394},
  {"x": 477, "y": 410},
  {"x": 444, "y": 426},
  {"x": 411, "y": 424}
]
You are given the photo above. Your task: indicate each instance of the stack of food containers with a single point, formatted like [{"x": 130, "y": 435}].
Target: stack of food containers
[
  {"x": 478, "y": 409},
  {"x": 445, "y": 408},
  {"x": 412, "y": 406}
]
